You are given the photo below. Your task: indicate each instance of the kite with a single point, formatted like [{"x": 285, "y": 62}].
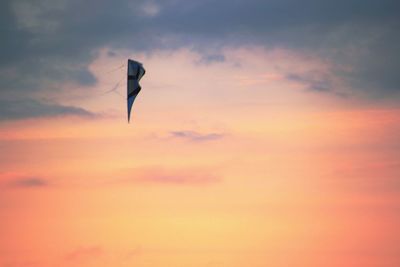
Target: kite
[{"x": 135, "y": 73}]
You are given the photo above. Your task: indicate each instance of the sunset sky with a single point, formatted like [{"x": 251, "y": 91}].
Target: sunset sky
[{"x": 266, "y": 134}]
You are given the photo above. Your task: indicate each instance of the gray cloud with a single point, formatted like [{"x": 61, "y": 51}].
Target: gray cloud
[
  {"x": 48, "y": 42},
  {"x": 211, "y": 58},
  {"x": 29, "y": 182},
  {"x": 316, "y": 82},
  {"x": 195, "y": 136},
  {"x": 29, "y": 108}
]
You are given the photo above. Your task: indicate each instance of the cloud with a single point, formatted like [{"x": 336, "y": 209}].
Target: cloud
[
  {"x": 30, "y": 108},
  {"x": 207, "y": 58},
  {"x": 134, "y": 252},
  {"x": 150, "y": 9},
  {"x": 378, "y": 177},
  {"x": 29, "y": 182},
  {"x": 84, "y": 253},
  {"x": 318, "y": 82},
  {"x": 359, "y": 38},
  {"x": 195, "y": 136},
  {"x": 46, "y": 43},
  {"x": 173, "y": 177},
  {"x": 312, "y": 82}
]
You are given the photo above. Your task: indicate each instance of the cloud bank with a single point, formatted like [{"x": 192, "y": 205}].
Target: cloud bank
[{"x": 45, "y": 43}]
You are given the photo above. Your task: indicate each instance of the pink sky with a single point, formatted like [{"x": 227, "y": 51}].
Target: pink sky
[{"x": 224, "y": 164}]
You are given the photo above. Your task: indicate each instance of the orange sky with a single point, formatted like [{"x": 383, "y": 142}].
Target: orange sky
[{"x": 224, "y": 164}]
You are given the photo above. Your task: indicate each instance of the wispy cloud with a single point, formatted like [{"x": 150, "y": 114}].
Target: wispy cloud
[
  {"x": 28, "y": 182},
  {"x": 22, "y": 180},
  {"x": 372, "y": 177},
  {"x": 312, "y": 81},
  {"x": 31, "y": 182},
  {"x": 133, "y": 253},
  {"x": 173, "y": 177},
  {"x": 85, "y": 253},
  {"x": 195, "y": 136},
  {"x": 209, "y": 58}
]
